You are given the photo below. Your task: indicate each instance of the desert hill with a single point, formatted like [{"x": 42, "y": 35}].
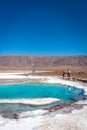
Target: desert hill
[{"x": 27, "y": 62}]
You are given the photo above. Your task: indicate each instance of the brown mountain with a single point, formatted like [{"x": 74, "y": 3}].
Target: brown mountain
[{"x": 27, "y": 62}]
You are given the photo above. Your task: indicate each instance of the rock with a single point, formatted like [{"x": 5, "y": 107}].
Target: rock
[{"x": 15, "y": 116}]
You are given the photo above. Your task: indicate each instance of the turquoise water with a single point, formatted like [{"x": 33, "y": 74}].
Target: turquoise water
[{"x": 64, "y": 93}]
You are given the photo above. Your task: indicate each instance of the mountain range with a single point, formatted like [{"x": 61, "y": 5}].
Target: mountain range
[{"x": 27, "y": 62}]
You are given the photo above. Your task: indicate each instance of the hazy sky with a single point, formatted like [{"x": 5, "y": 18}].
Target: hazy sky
[{"x": 43, "y": 27}]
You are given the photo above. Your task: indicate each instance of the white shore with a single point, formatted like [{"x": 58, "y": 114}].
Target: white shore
[
  {"x": 76, "y": 120},
  {"x": 41, "y": 101}
]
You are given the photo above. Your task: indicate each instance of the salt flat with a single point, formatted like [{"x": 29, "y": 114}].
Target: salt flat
[{"x": 37, "y": 120}]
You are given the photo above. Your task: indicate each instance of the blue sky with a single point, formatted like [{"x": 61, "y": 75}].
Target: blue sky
[{"x": 43, "y": 27}]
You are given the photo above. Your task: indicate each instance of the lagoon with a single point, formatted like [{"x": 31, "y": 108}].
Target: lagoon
[{"x": 24, "y": 91}]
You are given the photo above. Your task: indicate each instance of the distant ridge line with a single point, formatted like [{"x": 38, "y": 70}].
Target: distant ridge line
[{"x": 19, "y": 62}]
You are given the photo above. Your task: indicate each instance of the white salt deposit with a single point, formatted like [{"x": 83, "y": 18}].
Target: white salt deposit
[
  {"x": 22, "y": 124},
  {"x": 38, "y": 101},
  {"x": 77, "y": 120}
]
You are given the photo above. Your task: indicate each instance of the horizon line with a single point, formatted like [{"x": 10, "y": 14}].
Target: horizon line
[{"x": 43, "y": 55}]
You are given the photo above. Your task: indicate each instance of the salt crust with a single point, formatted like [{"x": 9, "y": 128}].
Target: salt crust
[{"x": 77, "y": 120}]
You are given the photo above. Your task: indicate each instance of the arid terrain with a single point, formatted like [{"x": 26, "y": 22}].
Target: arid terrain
[
  {"x": 26, "y": 69},
  {"x": 52, "y": 64},
  {"x": 42, "y": 62}
]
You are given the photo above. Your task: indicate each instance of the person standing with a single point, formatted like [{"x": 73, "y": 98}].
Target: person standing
[
  {"x": 68, "y": 73},
  {"x": 63, "y": 73}
]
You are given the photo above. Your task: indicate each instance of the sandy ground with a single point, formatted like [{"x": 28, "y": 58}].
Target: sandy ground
[{"x": 37, "y": 120}]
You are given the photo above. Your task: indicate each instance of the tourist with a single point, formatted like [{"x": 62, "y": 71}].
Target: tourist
[
  {"x": 68, "y": 73},
  {"x": 63, "y": 73},
  {"x": 33, "y": 71}
]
